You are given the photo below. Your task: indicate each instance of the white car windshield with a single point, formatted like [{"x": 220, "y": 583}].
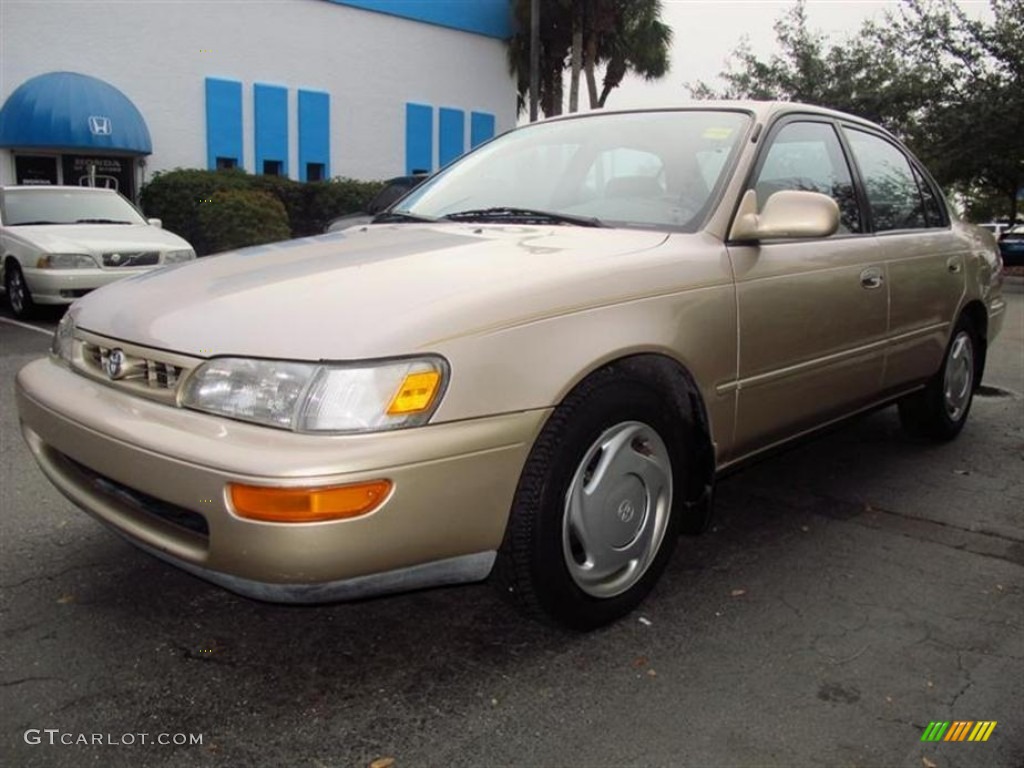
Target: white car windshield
[
  {"x": 23, "y": 207},
  {"x": 651, "y": 170}
]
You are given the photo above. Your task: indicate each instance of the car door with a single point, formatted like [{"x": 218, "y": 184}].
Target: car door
[
  {"x": 812, "y": 314},
  {"x": 925, "y": 259}
]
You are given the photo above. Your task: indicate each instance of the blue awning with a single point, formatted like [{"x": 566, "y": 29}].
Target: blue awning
[{"x": 66, "y": 110}]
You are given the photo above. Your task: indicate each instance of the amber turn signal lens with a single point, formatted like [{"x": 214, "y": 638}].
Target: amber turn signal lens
[
  {"x": 307, "y": 505},
  {"x": 415, "y": 393}
]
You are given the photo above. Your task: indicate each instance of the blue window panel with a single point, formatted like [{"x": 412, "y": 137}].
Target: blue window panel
[
  {"x": 481, "y": 128},
  {"x": 492, "y": 18},
  {"x": 419, "y": 138},
  {"x": 223, "y": 121},
  {"x": 314, "y": 131},
  {"x": 452, "y": 134},
  {"x": 271, "y": 122}
]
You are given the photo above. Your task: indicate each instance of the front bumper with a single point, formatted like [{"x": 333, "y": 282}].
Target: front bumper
[
  {"x": 63, "y": 286},
  {"x": 158, "y": 475}
]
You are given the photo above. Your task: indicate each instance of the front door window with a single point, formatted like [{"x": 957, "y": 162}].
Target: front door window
[{"x": 808, "y": 156}]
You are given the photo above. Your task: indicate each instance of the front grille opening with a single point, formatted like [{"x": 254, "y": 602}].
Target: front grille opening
[
  {"x": 143, "y": 502},
  {"x": 150, "y": 373},
  {"x": 132, "y": 259},
  {"x": 74, "y": 293}
]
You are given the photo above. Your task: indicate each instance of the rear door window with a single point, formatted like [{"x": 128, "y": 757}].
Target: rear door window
[{"x": 893, "y": 194}]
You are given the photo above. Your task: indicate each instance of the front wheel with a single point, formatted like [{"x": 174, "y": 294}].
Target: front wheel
[
  {"x": 18, "y": 294},
  {"x": 940, "y": 410},
  {"x": 593, "y": 522}
]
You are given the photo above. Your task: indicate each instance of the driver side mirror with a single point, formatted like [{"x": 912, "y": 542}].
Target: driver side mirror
[
  {"x": 787, "y": 214},
  {"x": 155, "y": 222}
]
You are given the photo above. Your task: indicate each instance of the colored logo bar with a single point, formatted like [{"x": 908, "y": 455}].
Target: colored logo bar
[{"x": 959, "y": 730}]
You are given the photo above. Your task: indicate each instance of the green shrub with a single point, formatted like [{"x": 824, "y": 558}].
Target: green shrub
[
  {"x": 291, "y": 195},
  {"x": 327, "y": 200},
  {"x": 312, "y": 205},
  {"x": 176, "y": 197},
  {"x": 236, "y": 218},
  {"x": 179, "y": 197}
]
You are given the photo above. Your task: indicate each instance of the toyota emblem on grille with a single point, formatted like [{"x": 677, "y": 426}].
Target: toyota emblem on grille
[
  {"x": 114, "y": 365},
  {"x": 115, "y": 257}
]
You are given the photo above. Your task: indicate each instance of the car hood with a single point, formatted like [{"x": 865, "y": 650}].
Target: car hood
[
  {"x": 97, "y": 238},
  {"x": 383, "y": 290}
]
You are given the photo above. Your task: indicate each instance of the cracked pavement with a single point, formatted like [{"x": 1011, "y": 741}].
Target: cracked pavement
[{"x": 852, "y": 590}]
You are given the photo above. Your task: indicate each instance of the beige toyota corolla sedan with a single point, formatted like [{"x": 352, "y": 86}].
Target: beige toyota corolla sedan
[{"x": 531, "y": 368}]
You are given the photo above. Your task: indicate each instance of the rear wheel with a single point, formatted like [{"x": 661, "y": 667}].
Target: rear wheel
[
  {"x": 593, "y": 523},
  {"x": 940, "y": 411}
]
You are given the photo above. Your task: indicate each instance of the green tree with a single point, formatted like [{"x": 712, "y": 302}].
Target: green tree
[
  {"x": 555, "y": 41},
  {"x": 856, "y": 75},
  {"x": 584, "y": 36},
  {"x": 973, "y": 131},
  {"x": 636, "y": 40},
  {"x": 952, "y": 87}
]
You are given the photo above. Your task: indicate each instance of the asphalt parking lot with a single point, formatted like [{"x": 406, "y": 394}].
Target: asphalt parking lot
[{"x": 852, "y": 591}]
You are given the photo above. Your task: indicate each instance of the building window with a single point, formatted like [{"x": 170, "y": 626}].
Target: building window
[
  {"x": 314, "y": 171},
  {"x": 223, "y": 122},
  {"x": 481, "y": 128},
  {"x": 35, "y": 169},
  {"x": 419, "y": 138},
  {"x": 314, "y": 132},
  {"x": 270, "y": 122},
  {"x": 451, "y": 134},
  {"x": 226, "y": 163}
]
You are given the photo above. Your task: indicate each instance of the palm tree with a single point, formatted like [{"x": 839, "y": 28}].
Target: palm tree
[
  {"x": 555, "y": 40},
  {"x": 638, "y": 42},
  {"x": 621, "y": 35}
]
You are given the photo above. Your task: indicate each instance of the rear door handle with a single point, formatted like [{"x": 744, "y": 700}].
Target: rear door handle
[
  {"x": 953, "y": 264},
  {"x": 871, "y": 278}
]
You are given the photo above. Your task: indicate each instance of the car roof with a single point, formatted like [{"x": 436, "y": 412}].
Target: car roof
[{"x": 762, "y": 111}]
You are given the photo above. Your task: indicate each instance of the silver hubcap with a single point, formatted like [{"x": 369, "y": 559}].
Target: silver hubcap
[
  {"x": 16, "y": 291},
  {"x": 959, "y": 376},
  {"x": 617, "y": 509}
]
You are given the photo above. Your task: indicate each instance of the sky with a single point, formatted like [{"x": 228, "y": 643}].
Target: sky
[{"x": 706, "y": 32}]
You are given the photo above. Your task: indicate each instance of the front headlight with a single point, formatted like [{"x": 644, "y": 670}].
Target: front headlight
[
  {"x": 177, "y": 257},
  {"x": 66, "y": 261},
  {"x": 319, "y": 397},
  {"x": 63, "y": 337}
]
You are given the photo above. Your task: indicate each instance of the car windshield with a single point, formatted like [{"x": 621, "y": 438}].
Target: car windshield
[
  {"x": 640, "y": 169},
  {"x": 392, "y": 192},
  {"x": 66, "y": 206}
]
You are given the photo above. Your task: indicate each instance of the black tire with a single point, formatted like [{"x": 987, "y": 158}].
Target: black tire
[
  {"x": 533, "y": 568},
  {"x": 939, "y": 411},
  {"x": 18, "y": 294}
]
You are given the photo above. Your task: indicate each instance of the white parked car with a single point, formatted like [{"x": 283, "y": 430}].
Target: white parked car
[{"x": 60, "y": 243}]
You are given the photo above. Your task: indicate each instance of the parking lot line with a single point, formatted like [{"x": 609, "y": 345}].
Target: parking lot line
[{"x": 25, "y": 325}]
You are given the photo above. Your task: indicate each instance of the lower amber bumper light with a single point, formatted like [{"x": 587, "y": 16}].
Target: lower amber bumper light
[{"x": 307, "y": 505}]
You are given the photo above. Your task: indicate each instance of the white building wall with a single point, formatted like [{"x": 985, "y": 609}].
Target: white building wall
[{"x": 159, "y": 53}]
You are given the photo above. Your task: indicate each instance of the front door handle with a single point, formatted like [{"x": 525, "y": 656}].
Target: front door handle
[{"x": 871, "y": 278}]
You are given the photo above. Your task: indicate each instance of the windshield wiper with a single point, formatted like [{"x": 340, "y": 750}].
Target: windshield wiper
[
  {"x": 393, "y": 217},
  {"x": 101, "y": 221},
  {"x": 501, "y": 214},
  {"x": 34, "y": 223}
]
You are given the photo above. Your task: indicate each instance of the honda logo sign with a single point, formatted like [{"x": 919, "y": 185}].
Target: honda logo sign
[{"x": 99, "y": 125}]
